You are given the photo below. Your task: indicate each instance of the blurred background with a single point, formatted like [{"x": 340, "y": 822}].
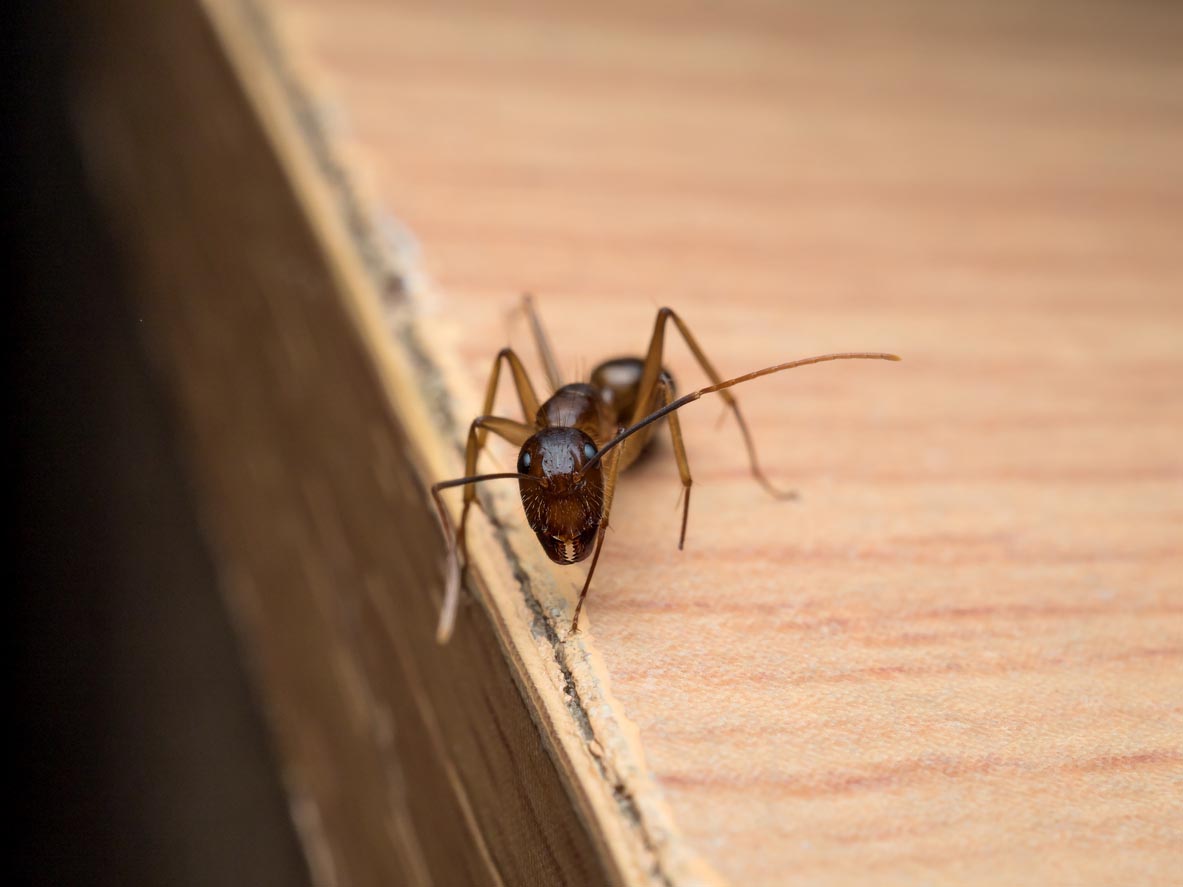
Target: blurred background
[{"x": 141, "y": 756}]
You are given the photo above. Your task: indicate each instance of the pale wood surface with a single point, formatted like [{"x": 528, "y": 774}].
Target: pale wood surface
[{"x": 957, "y": 658}]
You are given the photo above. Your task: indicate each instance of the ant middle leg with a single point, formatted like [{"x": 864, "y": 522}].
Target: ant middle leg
[
  {"x": 665, "y": 396},
  {"x": 653, "y": 371}
]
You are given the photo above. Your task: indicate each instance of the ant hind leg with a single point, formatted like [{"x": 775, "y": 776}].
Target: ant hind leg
[
  {"x": 650, "y": 380},
  {"x": 545, "y": 353}
]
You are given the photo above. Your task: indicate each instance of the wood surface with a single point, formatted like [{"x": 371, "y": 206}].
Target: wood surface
[{"x": 956, "y": 659}]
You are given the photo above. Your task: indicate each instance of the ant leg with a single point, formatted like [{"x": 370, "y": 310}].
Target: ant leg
[
  {"x": 515, "y": 432},
  {"x": 545, "y": 352},
  {"x": 478, "y": 432},
  {"x": 649, "y": 382},
  {"x": 521, "y": 380},
  {"x": 665, "y": 396},
  {"x": 452, "y": 580},
  {"x": 611, "y": 469}
]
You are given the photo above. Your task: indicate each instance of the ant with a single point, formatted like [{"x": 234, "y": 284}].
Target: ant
[{"x": 574, "y": 444}]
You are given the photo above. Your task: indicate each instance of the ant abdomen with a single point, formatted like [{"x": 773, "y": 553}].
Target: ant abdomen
[{"x": 619, "y": 383}]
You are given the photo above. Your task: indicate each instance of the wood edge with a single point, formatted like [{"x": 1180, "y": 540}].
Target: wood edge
[{"x": 565, "y": 680}]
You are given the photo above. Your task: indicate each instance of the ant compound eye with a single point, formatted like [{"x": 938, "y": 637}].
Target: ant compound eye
[
  {"x": 589, "y": 451},
  {"x": 524, "y": 463}
]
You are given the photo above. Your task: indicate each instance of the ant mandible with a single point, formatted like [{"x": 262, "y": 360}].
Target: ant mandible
[{"x": 575, "y": 444}]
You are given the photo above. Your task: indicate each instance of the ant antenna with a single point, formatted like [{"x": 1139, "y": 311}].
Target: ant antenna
[{"x": 730, "y": 383}]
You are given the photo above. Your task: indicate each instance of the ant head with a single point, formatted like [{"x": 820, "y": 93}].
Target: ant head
[{"x": 562, "y": 504}]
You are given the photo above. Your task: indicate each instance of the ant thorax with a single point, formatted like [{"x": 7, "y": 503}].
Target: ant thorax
[{"x": 581, "y": 406}]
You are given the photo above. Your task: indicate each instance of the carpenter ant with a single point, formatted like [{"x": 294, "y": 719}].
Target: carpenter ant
[{"x": 575, "y": 444}]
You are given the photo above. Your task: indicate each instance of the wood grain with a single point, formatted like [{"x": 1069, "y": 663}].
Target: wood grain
[{"x": 957, "y": 658}]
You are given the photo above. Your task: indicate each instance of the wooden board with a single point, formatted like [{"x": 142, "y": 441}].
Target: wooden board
[{"x": 956, "y": 658}]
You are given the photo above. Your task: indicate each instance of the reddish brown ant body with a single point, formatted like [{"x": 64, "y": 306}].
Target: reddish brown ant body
[{"x": 575, "y": 444}]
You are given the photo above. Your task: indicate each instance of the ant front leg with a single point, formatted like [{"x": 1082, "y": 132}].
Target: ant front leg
[
  {"x": 650, "y": 379},
  {"x": 611, "y": 469},
  {"x": 452, "y": 579},
  {"x": 517, "y": 434}
]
